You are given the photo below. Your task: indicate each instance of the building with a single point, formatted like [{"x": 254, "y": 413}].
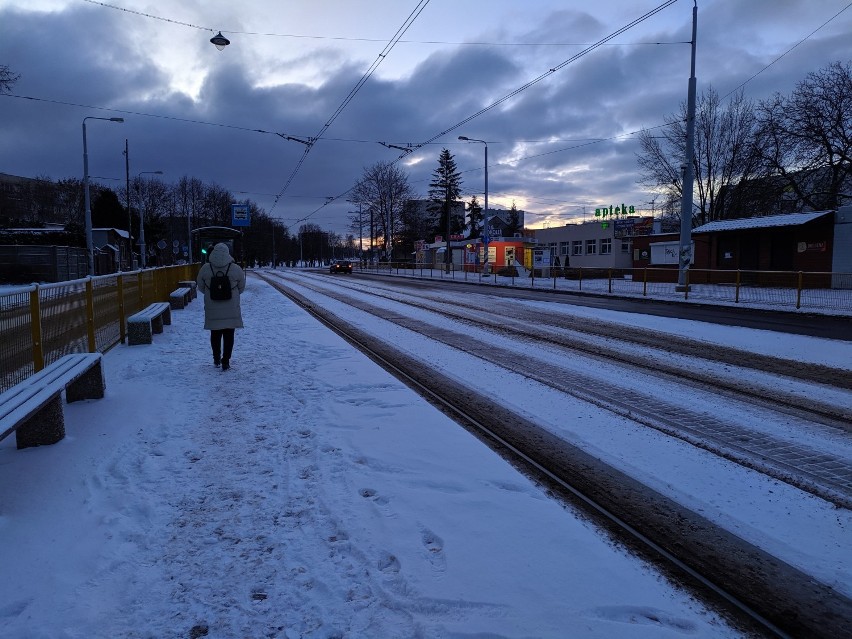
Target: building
[
  {"x": 597, "y": 244},
  {"x": 811, "y": 242},
  {"x": 113, "y": 250}
]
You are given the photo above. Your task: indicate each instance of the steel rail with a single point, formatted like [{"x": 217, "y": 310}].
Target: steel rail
[{"x": 526, "y": 460}]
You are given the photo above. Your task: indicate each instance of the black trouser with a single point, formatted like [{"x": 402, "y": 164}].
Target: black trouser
[{"x": 216, "y": 339}]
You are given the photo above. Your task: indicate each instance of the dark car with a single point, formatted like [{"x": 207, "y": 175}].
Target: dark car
[{"x": 339, "y": 266}]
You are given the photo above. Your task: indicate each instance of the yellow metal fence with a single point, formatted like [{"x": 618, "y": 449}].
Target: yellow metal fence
[{"x": 41, "y": 323}]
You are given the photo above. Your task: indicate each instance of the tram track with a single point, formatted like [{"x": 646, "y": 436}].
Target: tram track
[
  {"x": 775, "y": 597},
  {"x": 811, "y": 470}
]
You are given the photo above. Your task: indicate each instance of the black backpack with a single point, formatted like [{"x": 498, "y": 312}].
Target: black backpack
[{"x": 220, "y": 285}]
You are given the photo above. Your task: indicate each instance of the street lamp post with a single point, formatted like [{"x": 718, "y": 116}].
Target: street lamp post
[
  {"x": 688, "y": 175},
  {"x": 485, "y": 237},
  {"x": 143, "y": 259},
  {"x": 90, "y": 249}
]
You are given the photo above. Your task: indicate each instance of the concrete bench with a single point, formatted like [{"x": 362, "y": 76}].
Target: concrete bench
[
  {"x": 180, "y": 297},
  {"x": 33, "y": 410},
  {"x": 192, "y": 285},
  {"x": 142, "y": 325}
]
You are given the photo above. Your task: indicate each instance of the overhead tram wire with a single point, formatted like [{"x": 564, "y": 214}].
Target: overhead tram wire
[
  {"x": 349, "y": 39},
  {"x": 415, "y": 13},
  {"x": 547, "y": 74}
]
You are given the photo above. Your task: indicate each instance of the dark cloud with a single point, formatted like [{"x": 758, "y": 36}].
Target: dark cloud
[{"x": 540, "y": 152}]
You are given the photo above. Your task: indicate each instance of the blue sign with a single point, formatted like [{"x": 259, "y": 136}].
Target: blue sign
[{"x": 240, "y": 215}]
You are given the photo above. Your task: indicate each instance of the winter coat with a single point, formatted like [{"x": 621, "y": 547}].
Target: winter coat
[{"x": 219, "y": 314}]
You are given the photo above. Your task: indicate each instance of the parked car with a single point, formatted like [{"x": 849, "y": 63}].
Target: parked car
[{"x": 341, "y": 266}]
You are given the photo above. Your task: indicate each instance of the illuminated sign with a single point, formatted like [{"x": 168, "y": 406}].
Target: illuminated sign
[{"x": 612, "y": 211}]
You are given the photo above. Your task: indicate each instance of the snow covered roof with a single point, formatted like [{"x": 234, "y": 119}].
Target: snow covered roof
[
  {"x": 119, "y": 232},
  {"x": 788, "y": 219}
]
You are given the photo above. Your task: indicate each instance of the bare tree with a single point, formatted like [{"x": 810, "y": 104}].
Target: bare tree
[
  {"x": 383, "y": 189},
  {"x": 725, "y": 156},
  {"x": 7, "y": 78},
  {"x": 808, "y": 137}
]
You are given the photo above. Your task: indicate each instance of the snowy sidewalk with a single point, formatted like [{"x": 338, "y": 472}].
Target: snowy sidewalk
[{"x": 304, "y": 493}]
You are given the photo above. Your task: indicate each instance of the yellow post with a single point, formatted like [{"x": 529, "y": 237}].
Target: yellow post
[
  {"x": 799, "y": 292},
  {"x": 122, "y": 313},
  {"x": 645, "y": 282},
  {"x": 140, "y": 286},
  {"x": 686, "y": 288},
  {"x": 90, "y": 315},
  {"x": 35, "y": 326},
  {"x": 609, "y": 275},
  {"x": 580, "y": 278},
  {"x": 737, "y": 295}
]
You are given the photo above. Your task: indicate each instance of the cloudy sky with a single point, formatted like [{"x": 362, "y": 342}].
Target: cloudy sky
[{"x": 558, "y": 148}]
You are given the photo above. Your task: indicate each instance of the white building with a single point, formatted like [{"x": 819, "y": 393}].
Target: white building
[{"x": 596, "y": 244}]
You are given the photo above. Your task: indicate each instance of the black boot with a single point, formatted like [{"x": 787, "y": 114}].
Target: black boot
[
  {"x": 225, "y": 365},
  {"x": 216, "y": 360}
]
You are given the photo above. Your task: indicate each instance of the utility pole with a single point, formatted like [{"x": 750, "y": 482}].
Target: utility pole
[
  {"x": 129, "y": 216},
  {"x": 688, "y": 175}
]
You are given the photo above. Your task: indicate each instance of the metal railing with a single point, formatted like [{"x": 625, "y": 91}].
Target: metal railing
[
  {"x": 41, "y": 323},
  {"x": 799, "y": 290}
]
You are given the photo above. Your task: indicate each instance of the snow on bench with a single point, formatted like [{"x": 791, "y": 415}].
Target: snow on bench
[
  {"x": 192, "y": 285},
  {"x": 142, "y": 325},
  {"x": 32, "y": 409},
  {"x": 180, "y": 297}
]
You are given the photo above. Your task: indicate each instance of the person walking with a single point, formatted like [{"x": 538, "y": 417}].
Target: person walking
[{"x": 222, "y": 313}]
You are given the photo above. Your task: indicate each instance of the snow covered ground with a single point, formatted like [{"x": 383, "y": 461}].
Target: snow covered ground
[{"x": 307, "y": 493}]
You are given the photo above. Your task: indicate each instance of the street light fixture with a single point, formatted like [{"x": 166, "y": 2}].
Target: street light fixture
[
  {"x": 485, "y": 237},
  {"x": 220, "y": 41},
  {"x": 90, "y": 250},
  {"x": 142, "y": 216}
]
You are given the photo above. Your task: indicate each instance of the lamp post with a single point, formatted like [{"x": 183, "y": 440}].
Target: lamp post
[
  {"x": 90, "y": 250},
  {"x": 485, "y": 237},
  {"x": 143, "y": 259},
  {"x": 688, "y": 176}
]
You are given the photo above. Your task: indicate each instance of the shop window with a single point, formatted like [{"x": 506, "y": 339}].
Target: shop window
[
  {"x": 564, "y": 248},
  {"x": 577, "y": 247},
  {"x": 606, "y": 246},
  {"x": 591, "y": 247}
]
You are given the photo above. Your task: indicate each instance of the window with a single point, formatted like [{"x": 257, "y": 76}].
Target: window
[
  {"x": 591, "y": 247},
  {"x": 577, "y": 247},
  {"x": 564, "y": 248},
  {"x": 606, "y": 246},
  {"x": 625, "y": 246}
]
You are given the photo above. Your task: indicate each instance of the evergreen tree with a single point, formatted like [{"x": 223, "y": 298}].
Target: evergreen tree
[
  {"x": 444, "y": 189},
  {"x": 514, "y": 225},
  {"x": 474, "y": 218}
]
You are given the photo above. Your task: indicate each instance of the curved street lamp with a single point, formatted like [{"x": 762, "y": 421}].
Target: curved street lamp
[
  {"x": 143, "y": 259},
  {"x": 485, "y": 210},
  {"x": 90, "y": 250}
]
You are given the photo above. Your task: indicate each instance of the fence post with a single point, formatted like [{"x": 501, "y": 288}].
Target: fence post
[
  {"x": 645, "y": 282},
  {"x": 737, "y": 295},
  {"x": 35, "y": 326},
  {"x": 609, "y": 277},
  {"x": 686, "y": 288},
  {"x": 799, "y": 292},
  {"x": 90, "y": 315},
  {"x": 580, "y": 278},
  {"x": 122, "y": 313}
]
